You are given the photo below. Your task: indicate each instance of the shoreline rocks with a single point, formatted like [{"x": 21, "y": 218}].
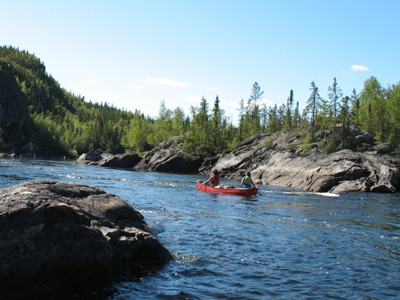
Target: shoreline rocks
[
  {"x": 278, "y": 159},
  {"x": 168, "y": 157},
  {"x": 275, "y": 160},
  {"x": 59, "y": 235},
  {"x": 107, "y": 159}
]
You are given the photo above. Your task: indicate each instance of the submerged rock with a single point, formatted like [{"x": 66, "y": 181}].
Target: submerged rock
[{"x": 56, "y": 235}]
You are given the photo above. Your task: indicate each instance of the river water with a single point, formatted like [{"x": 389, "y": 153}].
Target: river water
[{"x": 282, "y": 244}]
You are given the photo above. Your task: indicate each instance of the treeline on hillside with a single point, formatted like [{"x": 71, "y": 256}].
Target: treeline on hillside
[{"x": 62, "y": 122}]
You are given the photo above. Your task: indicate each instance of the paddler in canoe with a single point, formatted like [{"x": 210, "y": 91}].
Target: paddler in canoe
[
  {"x": 247, "y": 182},
  {"x": 213, "y": 179},
  {"x": 215, "y": 187}
]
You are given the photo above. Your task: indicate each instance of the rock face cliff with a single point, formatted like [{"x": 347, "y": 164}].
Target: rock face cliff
[
  {"x": 276, "y": 160},
  {"x": 56, "y": 235},
  {"x": 13, "y": 103}
]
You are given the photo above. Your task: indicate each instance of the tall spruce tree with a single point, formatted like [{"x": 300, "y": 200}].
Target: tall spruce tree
[
  {"x": 334, "y": 94},
  {"x": 312, "y": 107},
  {"x": 288, "y": 121},
  {"x": 216, "y": 125},
  {"x": 355, "y": 104},
  {"x": 345, "y": 120},
  {"x": 254, "y": 109}
]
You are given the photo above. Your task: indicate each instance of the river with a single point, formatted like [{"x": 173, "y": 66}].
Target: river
[{"x": 282, "y": 244}]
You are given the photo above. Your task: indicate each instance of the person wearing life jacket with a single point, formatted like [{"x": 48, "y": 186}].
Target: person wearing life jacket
[
  {"x": 214, "y": 178},
  {"x": 247, "y": 182}
]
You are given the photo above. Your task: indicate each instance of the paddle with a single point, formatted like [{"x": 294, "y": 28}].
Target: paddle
[{"x": 256, "y": 188}]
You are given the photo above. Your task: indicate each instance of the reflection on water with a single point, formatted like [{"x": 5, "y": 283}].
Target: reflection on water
[{"x": 283, "y": 244}]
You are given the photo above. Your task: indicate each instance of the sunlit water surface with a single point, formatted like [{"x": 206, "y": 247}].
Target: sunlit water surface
[{"x": 282, "y": 244}]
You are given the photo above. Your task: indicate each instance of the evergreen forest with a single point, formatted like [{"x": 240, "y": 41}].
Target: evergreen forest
[{"x": 66, "y": 124}]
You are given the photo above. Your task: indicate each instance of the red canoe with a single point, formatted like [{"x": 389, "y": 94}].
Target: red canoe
[{"x": 226, "y": 190}]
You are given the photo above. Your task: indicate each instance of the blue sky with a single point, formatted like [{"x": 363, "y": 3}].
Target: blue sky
[{"x": 134, "y": 54}]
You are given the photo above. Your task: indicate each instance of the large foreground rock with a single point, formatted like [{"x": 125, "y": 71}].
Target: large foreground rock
[{"x": 58, "y": 235}]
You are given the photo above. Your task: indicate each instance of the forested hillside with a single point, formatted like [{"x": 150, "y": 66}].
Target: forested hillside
[{"x": 61, "y": 123}]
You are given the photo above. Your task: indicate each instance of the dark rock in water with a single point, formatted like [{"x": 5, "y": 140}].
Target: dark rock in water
[
  {"x": 113, "y": 162},
  {"x": 174, "y": 163},
  {"x": 107, "y": 159},
  {"x": 92, "y": 157},
  {"x": 120, "y": 161},
  {"x": 56, "y": 235},
  {"x": 130, "y": 160},
  {"x": 169, "y": 158}
]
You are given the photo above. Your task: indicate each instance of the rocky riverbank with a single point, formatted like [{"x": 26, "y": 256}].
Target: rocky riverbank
[
  {"x": 339, "y": 172},
  {"x": 279, "y": 160},
  {"x": 167, "y": 157},
  {"x": 61, "y": 236}
]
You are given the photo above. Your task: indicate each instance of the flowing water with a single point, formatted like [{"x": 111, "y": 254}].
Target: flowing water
[{"x": 282, "y": 244}]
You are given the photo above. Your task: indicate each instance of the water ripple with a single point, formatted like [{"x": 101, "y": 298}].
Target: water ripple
[{"x": 284, "y": 245}]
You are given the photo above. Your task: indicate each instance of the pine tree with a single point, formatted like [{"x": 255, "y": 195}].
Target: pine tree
[
  {"x": 334, "y": 94},
  {"x": 216, "y": 125},
  {"x": 296, "y": 116},
  {"x": 355, "y": 101},
  {"x": 288, "y": 121},
  {"x": 241, "y": 120},
  {"x": 312, "y": 107},
  {"x": 345, "y": 119},
  {"x": 253, "y": 109}
]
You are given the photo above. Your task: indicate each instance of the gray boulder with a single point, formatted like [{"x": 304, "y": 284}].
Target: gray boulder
[
  {"x": 56, "y": 235},
  {"x": 168, "y": 157},
  {"x": 112, "y": 162},
  {"x": 107, "y": 159},
  {"x": 130, "y": 160},
  {"x": 92, "y": 157},
  {"x": 119, "y": 161}
]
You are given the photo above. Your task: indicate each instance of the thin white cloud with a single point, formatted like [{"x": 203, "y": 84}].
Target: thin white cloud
[
  {"x": 359, "y": 68},
  {"x": 90, "y": 81},
  {"x": 166, "y": 82},
  {"x": 137, "y": 87},
  {"x": 193, "y": 99},
  {"x": 213, "y": 88},
  {"x": 262, "y": 102}
]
